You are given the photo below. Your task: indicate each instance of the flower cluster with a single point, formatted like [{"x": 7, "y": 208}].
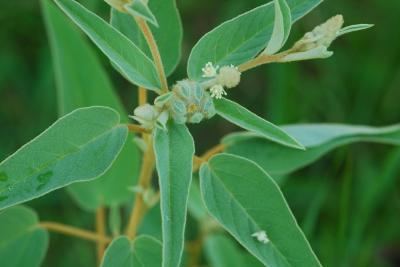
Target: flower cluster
[
  {"x": 188, "y": 102},
  {"x": 220, "y": 78}
]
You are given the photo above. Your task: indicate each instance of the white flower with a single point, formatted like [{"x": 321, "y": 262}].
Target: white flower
[
  {"x": 209, "y": 70},
  {"x": 217, "y": 91},
  {"x": 261, "y": 236},
  {"x": 229, "y": 76}
]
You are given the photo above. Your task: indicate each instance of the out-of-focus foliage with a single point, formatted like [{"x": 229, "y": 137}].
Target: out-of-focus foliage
[{"x": 348, "y": 203}]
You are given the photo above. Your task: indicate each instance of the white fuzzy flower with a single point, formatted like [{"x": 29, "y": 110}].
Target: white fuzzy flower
[
  {"x": 217, "y": 91},
  {"x": 261, "y": 236},
  {"x": 229, "y": 76},
  {"x": 209, "y": 70}
]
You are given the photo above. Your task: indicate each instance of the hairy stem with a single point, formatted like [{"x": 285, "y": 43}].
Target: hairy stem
[
  {"x": 261, "y": 60},
  {"x": 142, "y": 96},
  {"x": 73, "y": 231},
  {"x": 207, "y": 155},
  {"x": 133, "y": 128},
  {"x": 101, "y": 231},
  {"x": 155, "y": 53},
  {"x": 139, "y": 207}
]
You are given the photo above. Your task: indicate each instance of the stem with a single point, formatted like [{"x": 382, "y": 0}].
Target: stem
[
  {"x": 207, "y": 155},
  {"x": 142, "y": 96},
  {"x": 139, "y": 207},
  {"x": 73, "y": 231},
  {"x": 101, "y": 231},
  {"x": 261, "y": 60},
  {"x": 148, "y": 35},
  {"x": 137, "y": 129}
]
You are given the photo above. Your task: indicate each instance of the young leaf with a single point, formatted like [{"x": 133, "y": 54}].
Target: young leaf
[
  {"x": 354, "y": 28},
  {"x": 174, "y": 151},
  {"x": 74, "y": 61},
  {"x": 134, "y": 65},
  {"x": 318, "y": 139},
  {"x": 140, "y": 8},
  {"x": 282, "y": 25},
  {"x": 242, "y": 38},
  {"x": 80, "y": 146},
  {"x": 248, "y": 204},
  {"x": 242, "y": 117},
  {"x": 168, "y": 35},
  {"x": 22, "y": 242},
  {"x": 144, "y": 251}
]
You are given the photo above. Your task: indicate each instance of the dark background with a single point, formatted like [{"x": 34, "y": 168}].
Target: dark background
[{"x": 360, "y": 84}]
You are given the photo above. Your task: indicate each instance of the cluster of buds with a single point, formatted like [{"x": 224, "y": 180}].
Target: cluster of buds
[
  {"x": 315, "y": 44},
  {"x": 188, "y": 102},
  {"x": 220, "y": 78}
]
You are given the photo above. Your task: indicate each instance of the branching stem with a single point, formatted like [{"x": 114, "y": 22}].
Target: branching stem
[
  {"x": 101, "y": 231},
  {"x": 73, "y": 231},
  {"x": 155, "y": 53},
  {"x": 261, "y": 60},
  {"x": 139, "y": 207},
  {"x": 197, "y": 161}
]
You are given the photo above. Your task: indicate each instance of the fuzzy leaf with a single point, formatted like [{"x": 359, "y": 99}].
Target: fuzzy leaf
[
  {"x": 140, "y": 8},
  {"x": 245, "y": 200},
  {"x": 80, "y": 146},
  {"x": 245, "y": 119},
  {"x": 74, "y": 61},
  {"x": 133, "y": 63},
  {"x": 240, "y": 39},
  {"x": 282, "y": 25},
  {"x": 174, "y": 151},
  {"x": 23, "y": 242},
  {"x": 144, "y": 251},
  {"x": 318, "y": 139},
  {"x": 168, "y": 35}
]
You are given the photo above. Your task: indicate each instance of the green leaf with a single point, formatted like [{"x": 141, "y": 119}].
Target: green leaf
[
  {"x": 168, "y": 35},
  {"x": 22, "y": 242},
  {"x": 318, "y": 139},
  {"x": 242, "y": 38},
  {"x": 245, "y": 119},
  {"x": 196, "y": 206},
  {"x": 245, "y": 200},
  {"x": 80, "y": 146},
  {"x": 140, "y": 8},
  {"x": 354, "y": 28},
  {"x": 282, "y": 25},
  {"x": 222, "y": 252},
  {"x": 144, "y": 251},
  {"x": 74, "y": 61},
  {"x": 135, "y": 65},
  {"x": 174, "y": 151}
]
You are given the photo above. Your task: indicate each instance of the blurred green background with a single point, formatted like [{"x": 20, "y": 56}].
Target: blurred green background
[{"x": 348, "y": 203}]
